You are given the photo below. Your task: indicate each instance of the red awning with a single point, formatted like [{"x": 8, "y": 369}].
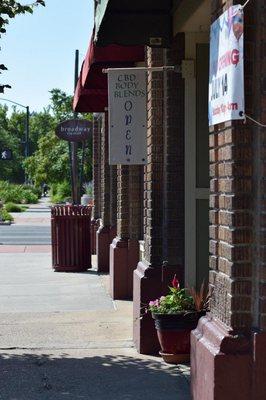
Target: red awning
[
  {"x": 89, "y": 100},
  {"x": 113, "y": 56},
  {"x": 91, "y": 93}
]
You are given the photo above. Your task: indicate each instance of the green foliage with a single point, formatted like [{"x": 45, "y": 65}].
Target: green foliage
[
  {"x": 12, "y": 207},
  {"x": 61, "y": 105},
  {"x": 61, "y": 192},
  {"x": 177, "y": 301},
  {"x": 37, "y": 191},
  {"x": 11, "y": 193},
  {"x": 5, "y": 216},
  {"x": 180, "y": 300},
  {"x": 29, "y": 197},
  {"x": 50, "y": 161},
  {"x": 11, "y": 137}
]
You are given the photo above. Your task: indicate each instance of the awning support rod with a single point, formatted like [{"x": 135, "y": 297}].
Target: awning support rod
[{"x": 174, "y": 68}]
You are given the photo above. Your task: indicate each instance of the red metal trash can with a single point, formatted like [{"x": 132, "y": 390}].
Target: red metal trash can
[{"x": 71, "y": 238}]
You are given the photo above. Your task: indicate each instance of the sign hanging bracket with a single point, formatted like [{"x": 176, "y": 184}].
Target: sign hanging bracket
[{"x": 174, "y": 68}]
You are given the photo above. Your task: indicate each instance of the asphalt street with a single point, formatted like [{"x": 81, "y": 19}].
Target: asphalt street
[{"x": 24, "y": 234}]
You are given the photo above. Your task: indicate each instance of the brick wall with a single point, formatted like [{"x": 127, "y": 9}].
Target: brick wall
[
  {"x": 164, "y": 173},
  {"x": 96, "y": 174},
  {"x": 174, "y": 158},
  {"x": 135, "y": 202},
  {"x": 153, "y": 173},
  {"x": 237, "y": 204},
  {"x": 256, "y": 84},
  {"x": 113, "y": 195},
  {"x": 129, "y": 199},
  {"x": 123, "y": 201},
  {"x": 105, "y": 173}
]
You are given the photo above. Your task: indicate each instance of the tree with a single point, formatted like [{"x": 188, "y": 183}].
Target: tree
[
  {"x": 11, "y": 169},
  {"x": 9, "y": 9},
  {"x": 50, "y": 162}
]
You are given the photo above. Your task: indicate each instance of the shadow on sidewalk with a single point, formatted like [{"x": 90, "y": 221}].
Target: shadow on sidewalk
[{"x": 108, "y": 377}]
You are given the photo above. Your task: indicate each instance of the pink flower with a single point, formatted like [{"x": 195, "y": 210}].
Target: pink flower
[
  {"x": 175, "y": 283},
  {"x": 154, "y": 303}
]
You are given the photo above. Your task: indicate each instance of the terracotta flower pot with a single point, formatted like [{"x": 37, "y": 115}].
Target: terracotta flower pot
[{"x": 173, "y": 331}]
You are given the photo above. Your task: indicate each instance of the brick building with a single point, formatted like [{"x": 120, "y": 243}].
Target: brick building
[{"x": 197, "y": 208}]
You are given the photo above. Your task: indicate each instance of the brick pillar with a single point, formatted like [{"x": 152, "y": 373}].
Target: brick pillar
[
  {"x": 113, "y": 201},
  {"x": 96, "y": 210},
  {"x": 228, "y": 356},
  {"x": 163, "y": 194},
  {"x": 118, "y": 248},
  {"x": 124, "y": 250},
  {"x": 104, "y": 233},
  {"x": 136, "y": 219}
]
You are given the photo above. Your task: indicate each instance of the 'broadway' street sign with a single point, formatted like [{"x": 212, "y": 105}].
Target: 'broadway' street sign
[{"x": 74, "y": 130}]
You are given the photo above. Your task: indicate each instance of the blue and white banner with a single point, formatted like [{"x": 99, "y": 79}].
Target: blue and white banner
[{"x": 226, "y": 80}]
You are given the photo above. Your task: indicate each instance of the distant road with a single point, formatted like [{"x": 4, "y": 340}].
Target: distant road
[
  {"x": 25, "y": 234},
  {"x": 31, "y": 227}
]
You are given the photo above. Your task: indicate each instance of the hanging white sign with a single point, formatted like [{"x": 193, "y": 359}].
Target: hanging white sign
[
  {"x": 226, "y": 80},
  {"x": 127, "y": 100}
]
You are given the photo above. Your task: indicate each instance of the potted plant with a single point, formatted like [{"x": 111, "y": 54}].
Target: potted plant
[
  {"x": 176, "y": 315},
  {"x": 86, "y": 198}
]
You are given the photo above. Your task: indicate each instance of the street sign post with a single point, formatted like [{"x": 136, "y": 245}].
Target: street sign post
[{"x": 74, "y": 131}]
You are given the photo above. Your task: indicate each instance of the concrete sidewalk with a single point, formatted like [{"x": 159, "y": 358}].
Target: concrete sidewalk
[
  {"x": 36, "y": 214},
  {"x": 63, "y": 337}
]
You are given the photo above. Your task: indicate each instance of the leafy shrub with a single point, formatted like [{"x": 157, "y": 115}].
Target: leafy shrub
[
  {"x": 33, "y": 189},
  {"x": 11, "y": 207},
  {"x": 5, "y": 216},
  {"x": 29, "y": 197},
  {"x": 61, "y": 192},
  {"x": 11, "y": 193}
]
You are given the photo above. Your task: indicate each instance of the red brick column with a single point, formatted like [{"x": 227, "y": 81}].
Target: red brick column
[
  {"x": 136, "y": 219},
  {"x": 113, "y": 201},
  {"x": 228, "y": 347},
  {"x": 96, "y": 210},
  {"x": 105, "y": 232},
  {"x": 118, "y": 249},
  {"x": 163, "y": 194},
  {"x": 124, "y": 250}
]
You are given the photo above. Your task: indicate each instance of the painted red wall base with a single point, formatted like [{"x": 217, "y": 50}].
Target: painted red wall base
[
  {"x": 149, "y": 283},
  {"x": 104, "y": 237},
  {"x": 94, "y": 228},
  {"x": 124, "y": 256},
  {"x": 226, "y": 365},
  {"x": 259, "y": 368}
]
